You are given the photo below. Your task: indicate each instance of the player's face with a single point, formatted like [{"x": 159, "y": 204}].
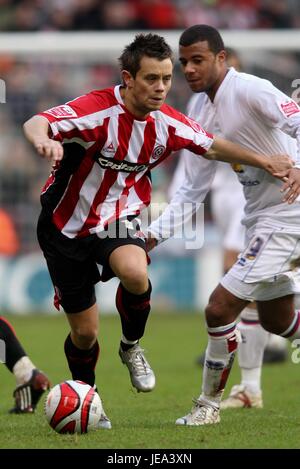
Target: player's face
[
  {"x": 203, "y": 69},
  {"x": 148, "y": 90}
]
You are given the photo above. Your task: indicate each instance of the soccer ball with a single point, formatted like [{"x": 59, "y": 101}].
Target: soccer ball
[{"x": 73, "y": 407}]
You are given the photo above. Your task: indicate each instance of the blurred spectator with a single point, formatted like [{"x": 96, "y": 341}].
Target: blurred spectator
[
  {"x": 9, "y": 243},
  {"x": 158, "y": 14},
  {"x": 67, "y": 15},
  {"x": 275, "y": 14},
  {"x": 121, "y": 14}
]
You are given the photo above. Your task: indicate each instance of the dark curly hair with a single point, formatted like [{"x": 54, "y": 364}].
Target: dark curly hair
[{"x": 202, "y": 32}]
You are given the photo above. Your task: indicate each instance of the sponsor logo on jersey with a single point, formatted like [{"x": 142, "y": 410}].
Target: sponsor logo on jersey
[
  {"x": 126, "y": 166},
  {"x": 62, "y": 112},
  {"x": 250, "y": 183},
  {"x": 158, "y": 152},
  {"x": 289, "y": 108}
]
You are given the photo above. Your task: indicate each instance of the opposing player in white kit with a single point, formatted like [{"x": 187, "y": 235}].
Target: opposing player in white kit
[
  {"x": 257, "y": 344},
  {"x": 252, "y": 112}
]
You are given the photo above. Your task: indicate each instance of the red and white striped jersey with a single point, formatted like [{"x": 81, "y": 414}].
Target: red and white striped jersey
[{"x": 108, "y": 155}]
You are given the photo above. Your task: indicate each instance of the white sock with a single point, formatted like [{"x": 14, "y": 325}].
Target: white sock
[
  {"x": 23, "y": 370},
  {"x": 251, "y": 349},
  {"x": 220, "y": 351},
  {"x": 251, "y": 379},
  {"x": 276, "y": 342},
  {"x": 128, "y": 342}
]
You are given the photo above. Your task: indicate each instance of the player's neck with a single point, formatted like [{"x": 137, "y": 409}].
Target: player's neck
[
  {"x": 137, "y": 113},
  {"x": 211, "y": 93}
]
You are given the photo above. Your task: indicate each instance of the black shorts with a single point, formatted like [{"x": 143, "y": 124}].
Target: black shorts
[{"x": 72, "y": 263}]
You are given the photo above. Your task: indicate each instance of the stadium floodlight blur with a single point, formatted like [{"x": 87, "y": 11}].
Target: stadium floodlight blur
[{"x": 41, "y": 69}]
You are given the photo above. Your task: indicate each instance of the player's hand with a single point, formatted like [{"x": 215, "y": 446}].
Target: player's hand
[
  {"x": 291, "y": 186},
  {"x": 49, "y": 149},
  {"x": 151, "y": 243},
  {"x": 279, "y": 166}
]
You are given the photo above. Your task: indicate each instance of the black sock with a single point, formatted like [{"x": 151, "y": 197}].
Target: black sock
[
  {"x": 134, "y": 311},
  {"x": 82, "y": 363},
  {"x": 13, "y": 349}
]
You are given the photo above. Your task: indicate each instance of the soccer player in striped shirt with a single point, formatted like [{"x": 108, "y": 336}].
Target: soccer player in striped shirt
[{"x": 103, "y": 146}]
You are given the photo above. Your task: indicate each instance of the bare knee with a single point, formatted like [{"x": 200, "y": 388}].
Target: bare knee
[
  {"x": 84, "y": 336},
  {"x": 276, "y": 315},
  {"x": 135, "y": 279},
  {"x": 215, "y": 314},
  {"x": 271, "y": 326},
  {"x": 223, "y": 307}
]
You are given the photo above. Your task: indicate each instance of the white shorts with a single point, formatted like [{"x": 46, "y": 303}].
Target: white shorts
[
  {"x": 265, "y": 269},
  {"x": 228, "y": 211}
]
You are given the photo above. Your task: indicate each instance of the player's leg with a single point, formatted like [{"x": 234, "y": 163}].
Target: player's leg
[
  {"x": 74, "y": 275},
  {"x": 31, "y": 382},
  {"x": 250, "y": 357},
  {"x": 280, "y": 317},
  {"x": 129, "y": 263},
  {"x": 254, "y": 338},
  {"x": 81, "y": 345},
  {"x": 276, "y": 350},
  {"x": 223, "y": 338}
]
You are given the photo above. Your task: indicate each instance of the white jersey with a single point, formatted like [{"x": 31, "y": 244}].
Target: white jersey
[{"x": 249, "y": 111}]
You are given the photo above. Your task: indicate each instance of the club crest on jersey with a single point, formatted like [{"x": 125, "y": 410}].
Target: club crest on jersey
[
  {"x": 158, "y": 152},
  {"x": 62, "y": 112},
  {"x": 289, "y": 108}
]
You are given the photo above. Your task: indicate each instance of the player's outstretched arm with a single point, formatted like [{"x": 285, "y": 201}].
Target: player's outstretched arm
[
  {"x": 36, "y": 131},
  {"x": 223, "y": 150}
]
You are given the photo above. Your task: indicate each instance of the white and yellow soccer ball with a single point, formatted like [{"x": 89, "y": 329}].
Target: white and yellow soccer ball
[{"x": 73, "y": 407}]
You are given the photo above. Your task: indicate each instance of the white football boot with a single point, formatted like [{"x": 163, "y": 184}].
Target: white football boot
[
  {"x": 240, "y": 397},
  {"x": 201, "y": 414},
  {"x": 104, "y": 421},
  {"x": 141, "y": 374}
]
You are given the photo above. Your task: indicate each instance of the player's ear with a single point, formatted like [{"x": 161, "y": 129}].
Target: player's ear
[
  {"x": 127, "y": 78},
  {"x": 221, "y": 56}
]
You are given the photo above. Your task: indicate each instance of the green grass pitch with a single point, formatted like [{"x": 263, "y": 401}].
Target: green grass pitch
[{"x": 172, "y": 342}]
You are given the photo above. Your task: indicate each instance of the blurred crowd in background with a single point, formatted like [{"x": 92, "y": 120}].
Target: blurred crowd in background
[
  {"x": 38, "y": 83},
  {"x": 67, "y": 15}
]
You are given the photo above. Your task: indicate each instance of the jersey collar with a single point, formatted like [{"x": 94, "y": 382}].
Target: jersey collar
[
  {"x": 231, "y": 72},
  {"x": 118, "y": 94}
]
